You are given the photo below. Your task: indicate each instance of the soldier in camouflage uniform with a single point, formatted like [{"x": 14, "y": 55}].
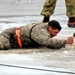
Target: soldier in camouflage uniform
[
  {"x": 33, "y": 35},
  {"x": 49, "y": 6}
]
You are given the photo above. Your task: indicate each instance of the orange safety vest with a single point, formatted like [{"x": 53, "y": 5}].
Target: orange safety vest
[{"x": 18, "y": 35}]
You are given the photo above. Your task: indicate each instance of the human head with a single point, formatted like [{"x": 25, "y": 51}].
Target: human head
[{"x": 54, "y": 27}]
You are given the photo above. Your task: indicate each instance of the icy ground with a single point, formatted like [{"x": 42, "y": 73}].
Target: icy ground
[
  {"x": 41, "y": 61},
  {"x": 38, "y": 61}
]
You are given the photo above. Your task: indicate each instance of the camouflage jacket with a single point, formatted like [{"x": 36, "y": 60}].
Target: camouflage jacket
[{"x": 32, "y": 35}]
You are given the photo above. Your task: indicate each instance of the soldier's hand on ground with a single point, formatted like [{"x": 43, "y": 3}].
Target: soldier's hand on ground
[{"x": 70, "y": 40}]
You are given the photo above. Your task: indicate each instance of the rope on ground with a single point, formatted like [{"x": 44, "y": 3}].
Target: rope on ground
[{"x": 68, "y": 72}]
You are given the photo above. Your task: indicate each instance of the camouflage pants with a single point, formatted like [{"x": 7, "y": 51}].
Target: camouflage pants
[
  {"x": 49, "y": 6},
  {"x": 5, "y": 38}
]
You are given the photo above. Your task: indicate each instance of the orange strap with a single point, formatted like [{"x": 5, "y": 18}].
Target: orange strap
[{"x": 19, "y": 37}]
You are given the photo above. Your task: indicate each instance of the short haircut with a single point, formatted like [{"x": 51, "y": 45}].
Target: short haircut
[{"x": 55, "y": 24}]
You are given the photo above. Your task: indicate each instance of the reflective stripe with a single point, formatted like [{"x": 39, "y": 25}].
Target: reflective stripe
[{"x": 18, "y": 37}]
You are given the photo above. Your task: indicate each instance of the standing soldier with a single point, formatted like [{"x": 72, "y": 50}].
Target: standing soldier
[
  {"x": 33, "y": 35},
  {"x": 49, "y": 6}
]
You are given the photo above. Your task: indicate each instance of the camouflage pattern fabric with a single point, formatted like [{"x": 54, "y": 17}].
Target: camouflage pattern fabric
[
  {"x": 49, "y": 7},
  {"x": 39, "y": 34}
]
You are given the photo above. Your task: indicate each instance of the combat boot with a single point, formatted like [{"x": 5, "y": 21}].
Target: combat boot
[
  {"x": 46, "y": 19},
  {"x": 71, "y": 22}
]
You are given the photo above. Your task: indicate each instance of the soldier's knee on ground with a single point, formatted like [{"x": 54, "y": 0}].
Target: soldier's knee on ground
[
  {"x": 1, "y": 46},
  {"x": 4, "y": 43}
]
